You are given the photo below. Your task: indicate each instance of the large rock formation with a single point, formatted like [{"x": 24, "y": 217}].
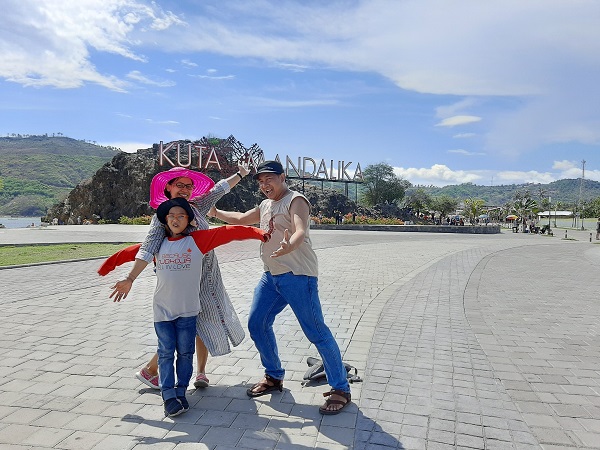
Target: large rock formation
[{"x": 121, "y": 188}]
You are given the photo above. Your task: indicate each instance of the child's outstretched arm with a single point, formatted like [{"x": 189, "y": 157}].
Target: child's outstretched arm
[
  {"x": 122, "y": 288},
  {"x": 121, "y": 257},
  {"x": 207, "y": 240}
]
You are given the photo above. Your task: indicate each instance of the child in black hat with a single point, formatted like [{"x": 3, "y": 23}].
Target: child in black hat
[{"x": 176, "y": 301}]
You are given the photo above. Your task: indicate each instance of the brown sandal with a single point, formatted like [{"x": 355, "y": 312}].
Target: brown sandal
[
  {"x": 277, "y": 385},
  {"x": 323, "y": 409}
]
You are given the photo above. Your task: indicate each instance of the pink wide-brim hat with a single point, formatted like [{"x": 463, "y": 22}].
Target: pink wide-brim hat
[{"x": 202, "y": 184}]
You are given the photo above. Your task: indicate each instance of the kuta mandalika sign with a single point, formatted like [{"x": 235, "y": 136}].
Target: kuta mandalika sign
[{"x": 216, "y": 155}]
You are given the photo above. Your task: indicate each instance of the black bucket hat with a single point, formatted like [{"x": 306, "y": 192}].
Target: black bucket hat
[{"x": 163, "y": 209}]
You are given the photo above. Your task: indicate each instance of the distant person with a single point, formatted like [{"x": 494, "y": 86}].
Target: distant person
[
  {"x": 218, "y": 323},
  {"x": 598, "y": 229},
  {"x": 176, "y": 302},
  {"x": 290, "y": 279}
]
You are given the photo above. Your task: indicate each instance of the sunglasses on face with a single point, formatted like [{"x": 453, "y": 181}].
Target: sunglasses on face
[
  {"x": 176, "y": 216},
  {"x": 184, "y": 186}
]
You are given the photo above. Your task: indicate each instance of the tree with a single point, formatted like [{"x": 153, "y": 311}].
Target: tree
[
  {"x": 523, "y": 205},
  {"x": 473, "y": 208},
  {"x": 444, "y": 204},
  {"x": 417, "y": 201},
  {"x": 382, "y": 185},
  {"x": 591, "y": 208}
]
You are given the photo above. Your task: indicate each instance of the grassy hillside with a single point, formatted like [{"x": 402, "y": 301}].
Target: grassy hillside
[
  {"x": 565, "y": 191},
  {"x": 38, "y": 171}
]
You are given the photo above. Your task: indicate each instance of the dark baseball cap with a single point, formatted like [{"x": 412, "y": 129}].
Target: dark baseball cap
[
  {"x": 164, "y": 208},
  {"x": 269, "y": 167}
]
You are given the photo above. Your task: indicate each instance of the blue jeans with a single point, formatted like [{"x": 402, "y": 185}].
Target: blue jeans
[
  {"x": 179, "y": 336},
  {"x": 271, "y": 296}
]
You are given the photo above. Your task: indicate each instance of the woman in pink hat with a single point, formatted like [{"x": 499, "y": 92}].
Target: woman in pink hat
[{"x": 217, "y": 324}]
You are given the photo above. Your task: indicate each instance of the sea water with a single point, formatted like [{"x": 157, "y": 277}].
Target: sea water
[{"x": 20, "y": 222}]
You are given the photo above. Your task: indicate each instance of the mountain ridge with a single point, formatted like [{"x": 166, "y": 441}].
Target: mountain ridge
[{"x": 39, "y": 172}]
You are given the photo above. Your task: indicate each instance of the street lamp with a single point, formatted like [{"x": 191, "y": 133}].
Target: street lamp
[{"x": 549, "y": 203}]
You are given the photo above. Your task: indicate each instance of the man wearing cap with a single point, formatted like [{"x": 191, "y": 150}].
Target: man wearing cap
[{"x": 290, "y": 278}]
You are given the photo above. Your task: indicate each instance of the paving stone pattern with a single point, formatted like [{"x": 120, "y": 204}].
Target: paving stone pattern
[{"x": 464, "y": 342}]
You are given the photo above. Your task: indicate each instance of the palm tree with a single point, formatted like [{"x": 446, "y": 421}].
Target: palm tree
[
  {"x": 473, "y": 208},
  {"x": 523, "y": 205}
]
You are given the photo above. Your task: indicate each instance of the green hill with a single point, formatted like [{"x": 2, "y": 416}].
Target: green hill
[
  {"x": 37, "y": 172},
  {"x": 565, "y": 191}
]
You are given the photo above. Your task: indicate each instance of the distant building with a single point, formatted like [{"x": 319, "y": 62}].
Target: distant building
[{"x": 555, "y": 214}]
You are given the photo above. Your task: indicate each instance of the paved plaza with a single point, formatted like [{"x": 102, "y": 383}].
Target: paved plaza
[{"x": 463, "y": 341}]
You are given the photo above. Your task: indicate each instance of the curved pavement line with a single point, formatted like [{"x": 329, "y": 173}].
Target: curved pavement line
[{"x": 427, "y": 379}]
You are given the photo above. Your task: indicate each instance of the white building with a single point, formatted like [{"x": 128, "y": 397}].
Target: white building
[{"x": 555, "y": 214}]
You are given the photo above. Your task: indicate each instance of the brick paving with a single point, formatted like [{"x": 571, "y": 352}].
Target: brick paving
[{"x": 463, "y": 341}]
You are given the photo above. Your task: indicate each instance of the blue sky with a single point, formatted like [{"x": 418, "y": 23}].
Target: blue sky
[{"x": 489, "y": 92}]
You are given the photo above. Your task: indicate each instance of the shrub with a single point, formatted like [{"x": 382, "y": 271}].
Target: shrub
[
  {"x": 363, "y": 220},
  {"x": 142, "y": 220}
]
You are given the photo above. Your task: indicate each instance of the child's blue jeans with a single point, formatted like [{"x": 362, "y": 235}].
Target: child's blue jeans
[
  {"x": 179, "y": 336},
  {"x": 271, "y": 296}
]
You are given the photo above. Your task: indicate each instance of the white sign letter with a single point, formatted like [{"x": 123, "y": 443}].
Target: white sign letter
[
  {"x": 312, "y": 174},
  {"x": 162, "y": 154}
]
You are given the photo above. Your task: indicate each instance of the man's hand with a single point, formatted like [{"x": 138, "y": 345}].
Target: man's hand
[
  {"x": 284, "y": 245},
  {"x": 212, "y": 212},
  {"x": 243, "y": 168},
  {"x": 121, "y": 289}
]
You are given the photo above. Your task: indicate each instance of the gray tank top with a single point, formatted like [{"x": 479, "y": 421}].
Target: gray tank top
[{"x": 275, "y": 215}]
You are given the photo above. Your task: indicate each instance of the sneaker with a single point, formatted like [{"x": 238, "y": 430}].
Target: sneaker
[
  {"x": 147, "y": 378},
  {"x": 184, "y": 403},
  {"x": 173, "y": 407},
  {"x": 201, "y": 381}
]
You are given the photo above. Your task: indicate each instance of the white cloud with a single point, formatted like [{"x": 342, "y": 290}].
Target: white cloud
[
  {"x": 292, "y": 67},
  {"x": 519, "y": 177},
  {"x": 49, "y": 43},
  {"x": 437, "y": 175},
  {"x": 162, "y": 122},
  {"x": 574, "y": 169},
  {"x": 463, "y": 135},
  {"x": 543, "y": 55},
  {"x": 563, "y": 165},
  {"x": 272, "y": 102},
  {"x": 137, "y": 76},
  {"x": 461, "y": 151},
  {"x": 210, "y": 77},
  {"x": 456, "y": 108},
  {"x": 442, "y": 175},
  {"x": 457, "y": 120},
  {"x": 129, "y": 147}
]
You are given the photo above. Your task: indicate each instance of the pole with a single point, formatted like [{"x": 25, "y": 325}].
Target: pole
[{"x": 579, "y": 205}]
